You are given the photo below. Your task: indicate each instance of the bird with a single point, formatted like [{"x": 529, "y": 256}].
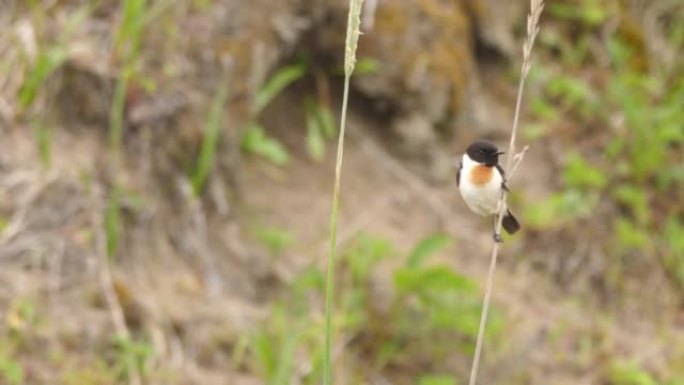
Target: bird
[{"x": 480, "y": 179}]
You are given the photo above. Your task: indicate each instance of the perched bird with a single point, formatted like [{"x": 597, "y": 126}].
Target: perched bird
[{"x": 480, "y": 179}]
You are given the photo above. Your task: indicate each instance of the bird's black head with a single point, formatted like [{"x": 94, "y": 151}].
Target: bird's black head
[{"x": 484, "y": 152}]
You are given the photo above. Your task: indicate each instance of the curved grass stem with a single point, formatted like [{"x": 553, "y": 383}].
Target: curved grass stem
[{"x": 512, "y": 162}]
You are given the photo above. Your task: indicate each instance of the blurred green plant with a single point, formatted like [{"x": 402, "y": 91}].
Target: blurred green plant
[
  {"x": 636, "y": 173},
  {"x": 437, "y": 380},
  {"x": 130, "y": 354},
  {"x": 320, "y": 122},
  {"x": 256, "y": 141},
  {"x": 428, "y": 302},
  {"x": 275, "y": 239},
  {"x": 10, "y": 370},
  {"x": 47, "y": 62},
  {"x": 629, "y": 373},
  {"x": 112, "y": 221},
  {"x": 254, "y": 138},
  {"x": 44, "y": 137},
  {"x": 430, "y": 308},
  {"x": 210, "y": 140},
  {"x": 320, "y": 127},
  {"x": 275, "y": 85},
  {"x": 51, "y": 56},
  {"x": 291, "y": 330},
  {"x": 127, "y": 49}
]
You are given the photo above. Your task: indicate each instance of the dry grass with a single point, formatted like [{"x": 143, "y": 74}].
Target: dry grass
[{"x": 512, "y": 163}]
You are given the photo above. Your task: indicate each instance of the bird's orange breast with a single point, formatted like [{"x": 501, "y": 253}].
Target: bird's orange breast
[{"x": 481, "y": 175}]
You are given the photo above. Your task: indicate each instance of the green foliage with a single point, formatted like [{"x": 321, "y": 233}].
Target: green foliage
[
  {"x": 559, "y": 209},
  {"x": 588, "y": 12},
  {"x": 128, "y": 39},
  {"x": 44, "y": 138},
  {"x": 274, "y": 349},
  {"x": 427, "y": 302},
  {"x": 46, "y": 63},
  {"x": 113, "y": 221},
  {"x": 426, "y": 248},
  {"x": 276, "y": 239},
  {"x": 634, "y": 112},
  {"x": 573, "y": 94},
  {"x": 275, "y": 85},
  {"x": 117, "y": 110},
  {"x": 673, "y": 238},
  {"x": 130, "y": 354},
  {"x": 210, "y": 140},
  {"x": 437, "y": 380},
  {"x": 580, "y": 173},
  {"x": 320, "y": 126},
  {"x": 10, "y": 370},
  {"x": 367, "y": 66},
  {"x": 428, "y": 299},
  {"x": 255, "y": 141},
  {"x": 51, "y": 55},
  {"x": 628, "y": 373},
  {"x": 290, "y": 330}
]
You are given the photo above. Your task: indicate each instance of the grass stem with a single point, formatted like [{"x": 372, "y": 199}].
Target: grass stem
[
  {"x": 512, "y": 161},
  {"x": 353, "y": 33}
]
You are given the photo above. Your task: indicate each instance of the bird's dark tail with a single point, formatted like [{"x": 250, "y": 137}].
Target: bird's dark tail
[{"x": 509, "y": 223}]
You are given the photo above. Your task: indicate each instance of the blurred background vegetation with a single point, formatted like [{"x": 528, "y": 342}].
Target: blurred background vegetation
[{"x": 166, "y": 171}]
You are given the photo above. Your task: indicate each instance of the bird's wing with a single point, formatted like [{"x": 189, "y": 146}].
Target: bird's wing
[
  {"x": 458, "y": 174},
  {"x": 503, "y": 176}
]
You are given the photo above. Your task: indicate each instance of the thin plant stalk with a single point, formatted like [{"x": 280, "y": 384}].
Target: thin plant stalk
[
  {"x": 512, "y": 163},
  {"x": 353, "y": 22}
]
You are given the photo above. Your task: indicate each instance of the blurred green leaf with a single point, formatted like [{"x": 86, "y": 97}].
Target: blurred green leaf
[
  {"x": 44, "y": 138},
  {"x": 128, "y": 39},
  {"x": 276, "y": 84},
  {"x": 629, "y": 373},
  {"x": 326, "y": 120},
  {"x": 315, "y": 142},
  {"x": 434, "y": 379},
  {"x": 210, "y": 140},
  {"x": 46, "y": 63},
  {"x": 432, "y": 278},
  {"x": 310, "y": 278},
  {"x": 10, "y": 370},
  {"x": 543, "y": 110},
  {"x": 365, "y": 253},
  {"x": 427, "y": 247},
  {"x": 674, "y": 239},
  {"x": 558, "y": 208},
  {"x": 579, "y": 173},
  {"x": 367, "y": 66},
  {"x": 255, "y": 141},
  {"x": 629, "y": 235},
  {"x": 535, "y": 131},
  {"x": 636, "y": 199},
  {"x": 276, "y": 239},
  {"x": 113, "y": 221}
]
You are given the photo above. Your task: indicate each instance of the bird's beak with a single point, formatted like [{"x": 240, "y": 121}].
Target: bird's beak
[{"x": 500, "y": 152}]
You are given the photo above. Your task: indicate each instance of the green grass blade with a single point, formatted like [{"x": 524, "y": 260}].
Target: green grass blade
[
  {"x": 255, "y": 141},
  {"x": 275, "y": 85},
  {"x": 210, "y": 140},
  {"x": 116, "y": 113}
]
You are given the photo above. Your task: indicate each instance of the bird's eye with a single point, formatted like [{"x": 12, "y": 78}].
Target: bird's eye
[{"x": 482, "y": 152}]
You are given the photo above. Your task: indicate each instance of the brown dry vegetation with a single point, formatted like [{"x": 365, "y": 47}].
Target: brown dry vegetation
[{"x": 98, "y": 241}]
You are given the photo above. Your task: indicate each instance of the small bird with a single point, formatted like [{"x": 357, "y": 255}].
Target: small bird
[{"x": 480, "y": 179}]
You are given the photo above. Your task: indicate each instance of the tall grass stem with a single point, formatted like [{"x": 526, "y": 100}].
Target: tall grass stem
[
  {"x": 512, "y": 161},
  {"x": 353, "y": 22}
]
